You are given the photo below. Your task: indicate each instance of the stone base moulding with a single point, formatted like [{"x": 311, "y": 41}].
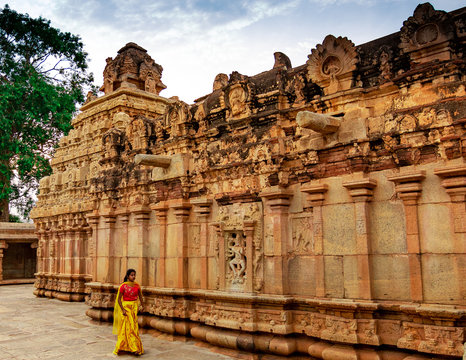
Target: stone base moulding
[
  {"x": 61, "y": 286},
  {"x": 284, "y": 325}
]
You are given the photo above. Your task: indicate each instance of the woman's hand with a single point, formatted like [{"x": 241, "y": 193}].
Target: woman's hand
[{"x": 124, "y": 312}]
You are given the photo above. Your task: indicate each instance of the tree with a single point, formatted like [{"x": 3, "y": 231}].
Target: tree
[{"x": 43, "y": 74}]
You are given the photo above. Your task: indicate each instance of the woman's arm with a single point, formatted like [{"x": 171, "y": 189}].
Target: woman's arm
[{"x": 121, "y": 305}]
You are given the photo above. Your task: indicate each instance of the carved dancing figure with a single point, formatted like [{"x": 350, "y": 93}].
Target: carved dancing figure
[{"x": 238, "y": 262}]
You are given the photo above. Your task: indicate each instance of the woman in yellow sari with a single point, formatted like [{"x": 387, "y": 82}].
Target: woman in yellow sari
[{"x": 125, "y": 316}]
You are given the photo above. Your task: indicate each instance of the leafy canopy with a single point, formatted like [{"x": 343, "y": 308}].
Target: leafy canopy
[{"x": 43, "y": 73}]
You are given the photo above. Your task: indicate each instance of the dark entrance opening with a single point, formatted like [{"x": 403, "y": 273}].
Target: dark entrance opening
[{"x": 19, "y": 261}]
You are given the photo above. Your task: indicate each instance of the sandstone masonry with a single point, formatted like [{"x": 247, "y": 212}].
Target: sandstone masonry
[{"x": 317, "y": 209}]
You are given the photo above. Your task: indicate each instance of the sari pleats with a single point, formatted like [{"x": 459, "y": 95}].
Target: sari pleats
[{"x": 128, "y": 329}]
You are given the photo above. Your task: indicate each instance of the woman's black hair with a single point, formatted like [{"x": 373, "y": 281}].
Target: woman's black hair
[{"x": 128, "y": 273}]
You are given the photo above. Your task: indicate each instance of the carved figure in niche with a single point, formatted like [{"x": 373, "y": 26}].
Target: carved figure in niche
[
  {"x": 236, "y": 258},
  {"x": 112, "y": 141},
  {"x": 151, "y": 73},
  {"x": 221, "y": 80},
  {"x": 90, "y": 96},
  {"x": 109, "y": 76},
  {"x": 138, "y": 133},
  {"x": 237, "y": 98},
  {"x": 382, "y": 58}
]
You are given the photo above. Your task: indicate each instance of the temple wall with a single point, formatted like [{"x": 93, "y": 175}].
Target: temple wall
[{"x": 315, "y": 210}]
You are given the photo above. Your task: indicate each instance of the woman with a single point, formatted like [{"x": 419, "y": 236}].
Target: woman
[{"x": 125, "y": 316}]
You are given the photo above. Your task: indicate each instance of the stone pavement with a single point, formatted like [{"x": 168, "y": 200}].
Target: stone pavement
[{"x": 40, "y": 328}]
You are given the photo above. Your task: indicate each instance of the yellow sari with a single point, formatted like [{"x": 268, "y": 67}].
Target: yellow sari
[{"x": 126, "y": 327}]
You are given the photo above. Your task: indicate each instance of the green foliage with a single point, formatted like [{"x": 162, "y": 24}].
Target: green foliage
[
  {"x": 42, "y": 79},
  {"x": 14, "y": 219}
]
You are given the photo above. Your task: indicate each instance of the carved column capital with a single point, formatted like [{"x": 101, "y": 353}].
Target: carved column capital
[
  {"x": 3, "y": 244},
  {"x": 454, "y": 181},
  {"x": 315, "y": 193},
  {"x": 248, "y": 227},
  {"x": 202, "y": 208},
  {"x": 161, "y": 209},
  {"x": 141, "y": 212},
  {"x": 277, "y": 198},
  {"x": 181, "y": 210},
  {"x": 408, "y": 185},
  {"x": 361, "y": 190}
]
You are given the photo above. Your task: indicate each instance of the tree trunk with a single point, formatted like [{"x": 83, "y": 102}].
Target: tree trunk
[{"x": 4, "y": 210}]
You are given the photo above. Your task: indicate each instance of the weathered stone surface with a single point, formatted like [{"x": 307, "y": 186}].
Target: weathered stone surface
[{"x": 260, "y": 229}]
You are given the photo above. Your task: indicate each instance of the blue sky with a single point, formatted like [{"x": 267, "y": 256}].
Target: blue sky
[{"x": 194, "y": 40}]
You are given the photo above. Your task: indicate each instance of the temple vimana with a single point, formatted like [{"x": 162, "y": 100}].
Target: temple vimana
[{"x": 315, "y": 211}]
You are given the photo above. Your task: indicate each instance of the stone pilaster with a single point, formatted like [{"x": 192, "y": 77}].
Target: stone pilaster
[
  {"x": 181, "y": 211},
  {"x": 93, "y": 237},
  {"x": 161, "y": 209},
  {"x": 105, "y": 268},
  {"x": 3, "y": 246},
  {"x": 123, "y": 215},
  {"x": 361, "y": 191},
  {"x": 220, "y": 255},
  {"x": 248, "y": 230},
  {"x": 408, "y": 187},
  {"x": 315, "y": 198},
  {"x": 202, "y": 209},
  {"x": 141, "y": 240},
  {"x": 276, "y": 246},
  {"x": 454, "y": 182}
]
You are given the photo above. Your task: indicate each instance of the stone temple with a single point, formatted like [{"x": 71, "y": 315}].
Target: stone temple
[{"x": 314, "y": 211}]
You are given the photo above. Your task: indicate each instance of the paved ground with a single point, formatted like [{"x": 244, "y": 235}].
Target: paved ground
[{"x": 39, "y": 328}]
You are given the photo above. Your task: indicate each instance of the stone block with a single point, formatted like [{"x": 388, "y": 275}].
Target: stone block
[
  {"x": 194, "y": 273},
  {"x": 435, "y": 223},
  {"x": 387, "y": 227},
  {"x": 334, "y": 276},
  {"x": 440, "y": 275},
  {"x": 350, "y": 277},
  {"x": 390, "y": 277},
  {"x": 301, "y": 276},
  {"x": 339, "y": 229}
]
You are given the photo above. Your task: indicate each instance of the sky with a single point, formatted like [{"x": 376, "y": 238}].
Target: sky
[{"x": 194, "y": 40}]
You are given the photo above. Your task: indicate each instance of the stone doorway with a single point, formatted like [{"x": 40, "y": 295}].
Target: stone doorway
[{"x": 19, "y": 261}]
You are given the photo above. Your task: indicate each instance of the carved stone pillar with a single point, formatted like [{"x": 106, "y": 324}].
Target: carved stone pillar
[
  {"x": 220, "y": 255},
  {"x": 40, "y": 249},
  {"x": 161, "y": 214},
  {"x": 276, "y": 246},
  {"x": 454, "y": 182},
  {"x": 35, "y": 245},
  {"x": 315, "y": 199},
  {"x": 202, "y": 211},
  {"x": 181, "y": 211},
  {"x": 123, "y": 215},
  {"x": 248, "y": 230},
  {"x": 141, "y": 215},
  {"x": 3, "y": 246},
  {"x": 408, "y": 187},
  {"x": 93, "y": 221},
  {"x": 361, "y": 192},
  {"x": 106, "y": 260},
  {"x": 60, "y": 242}
]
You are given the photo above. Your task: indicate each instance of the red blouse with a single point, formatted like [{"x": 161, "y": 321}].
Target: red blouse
[{"x": 129, "y": 293}]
